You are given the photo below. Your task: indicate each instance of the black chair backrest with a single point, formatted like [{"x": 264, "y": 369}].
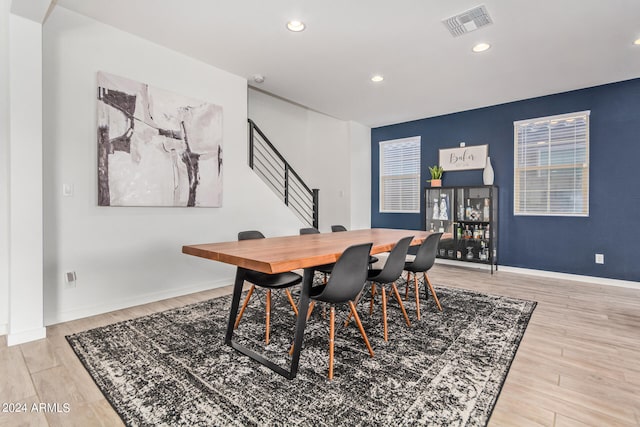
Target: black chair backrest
[
  {"x": 349, "y": 275},
  {"x": 338, "y": 228},
  {"x": 426, "y": 255},
  {"x": 395, "y": 262},
  {"x": 310, "y": 230},
  {"x": 250, "y": 235}
]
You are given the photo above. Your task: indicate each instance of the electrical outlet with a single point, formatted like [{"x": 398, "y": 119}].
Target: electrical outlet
[
  {"x": 70, "y": 278},
  {"x": 599, "y": 258},
  {"x": 67, "y": 190}
]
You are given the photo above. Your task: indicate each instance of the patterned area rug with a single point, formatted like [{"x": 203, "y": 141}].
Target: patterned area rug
[{"x": 172, "y": 368}]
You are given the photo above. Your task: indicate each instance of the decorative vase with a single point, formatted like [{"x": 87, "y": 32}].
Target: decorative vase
[
  {"x": 436, "y": 183},
  {"x": 487, "y": 174}
]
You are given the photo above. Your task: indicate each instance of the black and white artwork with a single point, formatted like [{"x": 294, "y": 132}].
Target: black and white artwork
[{"x": 156, "y": 148}]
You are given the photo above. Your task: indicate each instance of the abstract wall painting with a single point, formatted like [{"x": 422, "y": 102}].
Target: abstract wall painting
[{"x": 156, "y": 148}]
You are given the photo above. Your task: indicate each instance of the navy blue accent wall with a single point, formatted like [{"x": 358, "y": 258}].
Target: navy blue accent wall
[{"x": 562, "y": 244}]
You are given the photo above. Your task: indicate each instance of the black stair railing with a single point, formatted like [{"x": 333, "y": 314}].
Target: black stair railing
[{"x": 278, "y": 174}]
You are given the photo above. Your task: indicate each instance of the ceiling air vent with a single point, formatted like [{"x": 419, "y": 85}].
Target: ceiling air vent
[{"x": 468, "y": 21}]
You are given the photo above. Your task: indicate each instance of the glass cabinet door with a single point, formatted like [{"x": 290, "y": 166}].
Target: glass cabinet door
[
  {"x": 473, "y": 223},
  {"x": 440, "y": 217}
]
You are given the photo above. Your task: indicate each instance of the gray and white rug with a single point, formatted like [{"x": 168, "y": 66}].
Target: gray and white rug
[{"x": 172, "y": 368}]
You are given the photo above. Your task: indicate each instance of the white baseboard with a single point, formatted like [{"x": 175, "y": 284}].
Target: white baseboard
[
  {"x": 543, "y": 273},
  {"x": 26, "y": 336},
  {"x": 464, "y": 264},
  {"x": 87, "y": 311},
  {"x": 4, "y": 329}
]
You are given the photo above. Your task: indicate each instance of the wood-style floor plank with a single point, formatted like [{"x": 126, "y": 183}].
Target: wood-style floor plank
[{"x": 577, "y": 364}]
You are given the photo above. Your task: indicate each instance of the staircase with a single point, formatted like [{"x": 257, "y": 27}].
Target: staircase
[{"x": 278, "y": 174}]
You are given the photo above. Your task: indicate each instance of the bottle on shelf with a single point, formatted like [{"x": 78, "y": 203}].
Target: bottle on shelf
[
  {"x": 485, "y": 211},
  {"x": 477, "y": 232}
]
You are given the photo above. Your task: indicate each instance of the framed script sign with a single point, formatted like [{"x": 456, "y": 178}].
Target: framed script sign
[{"x": 463, "y": 158}]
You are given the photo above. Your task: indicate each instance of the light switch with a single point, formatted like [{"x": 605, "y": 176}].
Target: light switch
[{"x": 67, "y": 190}]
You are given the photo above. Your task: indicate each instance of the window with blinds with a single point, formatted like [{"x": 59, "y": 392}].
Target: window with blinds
[
  {"x": 400, "y": 175},
  {"x": 551, "y": 165}
]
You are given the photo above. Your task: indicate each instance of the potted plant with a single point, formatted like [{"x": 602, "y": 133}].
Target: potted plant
[{"x": 436, "y": 175}]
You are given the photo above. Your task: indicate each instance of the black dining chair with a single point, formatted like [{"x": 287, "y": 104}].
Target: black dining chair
[
  {"x": 326, "y": 268},
  {"x": 345, "y": 284},
  {"x": 388, "y": 275},
  {"x": 423, "y": 261},
  {"x": 268, "y": 281},
  {"x": 338, "y": 228}
]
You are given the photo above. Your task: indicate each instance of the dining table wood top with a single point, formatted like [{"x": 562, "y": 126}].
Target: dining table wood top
[{"x": 286, "y": 253}]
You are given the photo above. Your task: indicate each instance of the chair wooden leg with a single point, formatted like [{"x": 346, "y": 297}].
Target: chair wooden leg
[
  {"x": 268, "y": 322},
  {"x": 346, "y": 322},
  {"x": 311, "y": 307},
  {"x": 293, "y": 304},
  {"x": 433, "y": 291},
  {"x": 332, "y": 318},
  {"x": 244, "y": 305},
  {"x": 373, "y": 292},
  {"x": 312, "y": 304},
  {"x": 360, "y": 327},
  {"x": 415, "y": 283},
  {"x": 384, "y": 313},
  {"x": 404, "y": 312}
]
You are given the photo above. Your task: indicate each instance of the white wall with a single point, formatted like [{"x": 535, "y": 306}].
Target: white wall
[
  {"x": 328, "y": 167},
  {"x": 125, "y": 256},
  {"x": 323, "y": 150},
  {"x": 4, "y": 166},
  {"x": 25, "y": 181},
  {"x": 360, "y": 170}
]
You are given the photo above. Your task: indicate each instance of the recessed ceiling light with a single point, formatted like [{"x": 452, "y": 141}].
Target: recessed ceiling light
[
  {"x": 295, "y": 26},
  {"x": 377, "y": 78},
  {"x": 636, "y": 42},
  {"x": 481, "y": 47}
]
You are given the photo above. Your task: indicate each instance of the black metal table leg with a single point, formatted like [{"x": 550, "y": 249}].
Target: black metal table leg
[
  {"x": 301, "y": 321},
  {"x": 235, "y": 303},
  {"x": 303, "y": 307}
]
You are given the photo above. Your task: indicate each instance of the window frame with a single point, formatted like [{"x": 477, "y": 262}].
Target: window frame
[
  {"x": 382, "y": 177},
  {"x": 518, "y": 191}
]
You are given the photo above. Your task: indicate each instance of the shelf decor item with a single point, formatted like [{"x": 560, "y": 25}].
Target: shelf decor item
[
  {"x": 436, "y": 175},
  {"x": 487, "y": 174}
]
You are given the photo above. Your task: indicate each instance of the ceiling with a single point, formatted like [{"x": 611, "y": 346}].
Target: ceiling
[{"x": 538, "y": 48}]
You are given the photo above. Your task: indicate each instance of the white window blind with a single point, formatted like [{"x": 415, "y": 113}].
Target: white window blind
[
  {"x": 400, "y": 175},
  {"x": 551, "y": 165}
]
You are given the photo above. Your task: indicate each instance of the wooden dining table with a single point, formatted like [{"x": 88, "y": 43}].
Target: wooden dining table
[{"x": 281, "y": 254}]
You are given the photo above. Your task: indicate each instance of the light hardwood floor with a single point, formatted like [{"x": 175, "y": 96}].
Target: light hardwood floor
[{"x": 578, "y": 364}]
